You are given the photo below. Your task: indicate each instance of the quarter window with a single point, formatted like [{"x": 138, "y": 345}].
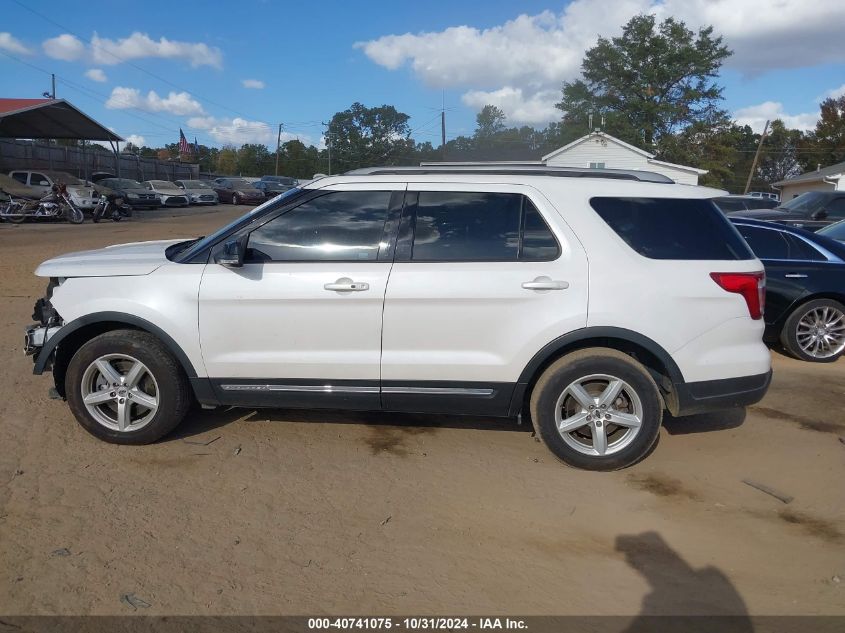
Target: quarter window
[
  {"x": 20, "y": 176},
  {"x": 673, "y": 228},
  {"x": 339, "y": 226},
  {"x": 480, "y": 226},
  {"x": 778, "y": 245}
]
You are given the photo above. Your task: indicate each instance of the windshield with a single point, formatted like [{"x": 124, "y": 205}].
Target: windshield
[
  {"x": 60, "y": 176},
  {"x": 241, "y": 221},
  {"x": 123, "y": 183},
  {"x": 834, "y": 231},
  {"x": 194, "y": 184},
  {"x": 809, "y": 202}
]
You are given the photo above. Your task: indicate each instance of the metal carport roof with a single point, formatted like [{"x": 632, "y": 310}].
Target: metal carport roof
[{"x": 49, "y": 118}]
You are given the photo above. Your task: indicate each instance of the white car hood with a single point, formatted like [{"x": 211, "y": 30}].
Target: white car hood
[{"x": 137, "y": 258}]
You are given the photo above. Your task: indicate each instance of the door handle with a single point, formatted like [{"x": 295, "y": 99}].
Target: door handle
[
  {"x": 795, "y": 276},
  {"x": 345, "y": 284},
  {"x": 545, "y": 283}
]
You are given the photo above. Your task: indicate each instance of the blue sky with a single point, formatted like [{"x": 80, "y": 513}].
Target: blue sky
[{"x": 309, "y": 60}]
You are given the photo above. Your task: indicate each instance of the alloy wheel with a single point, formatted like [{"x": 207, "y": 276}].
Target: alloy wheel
[
  {"x": 120, "y": 392},
  {"x": 821, "y": 332},
  {"x": 598, "y": 415}
]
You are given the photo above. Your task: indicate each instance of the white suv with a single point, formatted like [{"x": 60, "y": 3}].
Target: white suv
[{"x": 589, "y": 300}]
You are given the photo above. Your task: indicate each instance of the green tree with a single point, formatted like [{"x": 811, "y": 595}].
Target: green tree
[
  {"x": 363, "y": 137},
  {"x": 490, "y": 122},
  {"x": 779, "y": 155},
  {"x": 227, "y": 160},
  {"x": 298, "y": 160},
  {"x": 826, "y": 144},
  {"x": 254, "y": 159},
  {"x": 651, "y": 82}
]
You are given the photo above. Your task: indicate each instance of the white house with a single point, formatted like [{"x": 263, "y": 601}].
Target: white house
[
  {"x": 599, "y": 150},
  {"x": 822, "y": 179}
]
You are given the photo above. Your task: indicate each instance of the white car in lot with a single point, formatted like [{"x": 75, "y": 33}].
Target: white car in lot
[
  {"x": 82, "y": 193},
  {"x": 589, "y": 301},
  {"x": 197, "y": 191},
  {"x": 168, "y": 193}
]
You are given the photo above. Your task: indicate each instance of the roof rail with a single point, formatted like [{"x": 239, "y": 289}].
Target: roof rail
[{"x": 515, "y": 170}]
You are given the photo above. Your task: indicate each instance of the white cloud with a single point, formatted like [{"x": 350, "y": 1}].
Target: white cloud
[
  {"x": 201, "y": 122},
  {"x": 65, "y": 47},
  {"x": 835, "y": 93},
  {"x": 534, "y": 109},
  {"x": 757, "y": 115},
  {"x": 253, "y": 83},
  {"x": 238, "y": 131},
  {"x": 96, "y": 74},
  {"x": 11, "y": 44},
  {"x": 136, "y": 139},
  {"x": 523, "y": 62},
  {"x": 140, "y": 45},
  {"x": 179, "y": 103}
]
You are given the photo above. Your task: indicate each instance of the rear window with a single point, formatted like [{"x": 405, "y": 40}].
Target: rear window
[{"x": 673, "y": 228}]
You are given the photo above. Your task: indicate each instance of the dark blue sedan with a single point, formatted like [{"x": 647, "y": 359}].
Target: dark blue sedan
[{"x": 805, "y": 288}]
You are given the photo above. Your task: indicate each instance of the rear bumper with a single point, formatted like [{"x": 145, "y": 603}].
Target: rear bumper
[{"x": 727, "y": 393}]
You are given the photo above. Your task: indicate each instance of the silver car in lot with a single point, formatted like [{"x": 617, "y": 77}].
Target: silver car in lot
[
  {"x": 198, "y": 192},
  {"x": 168, "y": 193}
]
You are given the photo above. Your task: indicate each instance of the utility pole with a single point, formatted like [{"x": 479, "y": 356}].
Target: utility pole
[
  {"x": 329, "y": 144},
  {"x": 53, "y": 75},
  {"x": 278, "y": 147},
  {"x": 443, "y": 127},
  {"x": 756, "y": 156}
]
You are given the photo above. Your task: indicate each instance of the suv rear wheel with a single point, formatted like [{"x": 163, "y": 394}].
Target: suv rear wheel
[
  {"x": 597, "y": 409},
  {"x": 125, "y": 387},
  {"x": 815, "y": 331}
]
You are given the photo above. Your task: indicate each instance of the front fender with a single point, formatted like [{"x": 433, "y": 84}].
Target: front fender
[{"x": 111, "y": 317}]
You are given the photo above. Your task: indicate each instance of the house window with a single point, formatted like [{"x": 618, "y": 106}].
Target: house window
[{"x": 596, "y": 165}]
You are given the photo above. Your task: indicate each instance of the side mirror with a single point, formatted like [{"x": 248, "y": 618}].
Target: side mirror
[
  {"x": 821, "y": 214},
  {"x": 231, "y": 254}
]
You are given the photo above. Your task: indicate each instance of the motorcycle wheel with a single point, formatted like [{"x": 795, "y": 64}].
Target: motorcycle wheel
[
  {"x": 14, "y": 219},
  {"x": 76, "y": 216}
]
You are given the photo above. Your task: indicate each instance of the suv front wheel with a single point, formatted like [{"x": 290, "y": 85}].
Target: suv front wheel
[
  {"x": 597, "y": 409},
  {"x": 125, "y": 387}
]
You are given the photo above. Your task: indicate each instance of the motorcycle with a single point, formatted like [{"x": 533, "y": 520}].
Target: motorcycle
[
  {"x": 56, "y": 205},
  {"x": 111, "y": 204}
]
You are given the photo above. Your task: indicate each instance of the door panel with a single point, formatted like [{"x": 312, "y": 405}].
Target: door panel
[
  {"x": 297, "y": 333},
  {"x": 473, "y": 326}
]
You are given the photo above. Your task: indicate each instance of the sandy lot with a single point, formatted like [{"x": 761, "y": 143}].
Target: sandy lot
[{"x": 275, "y": 512}]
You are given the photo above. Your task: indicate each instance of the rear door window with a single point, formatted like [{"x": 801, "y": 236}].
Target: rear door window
[
  {"x": 673, "y": 228},
  {"x": 766, "y": 243},
  {"x": 480, "y": 227},
  {"x": 836, "y": 208}
]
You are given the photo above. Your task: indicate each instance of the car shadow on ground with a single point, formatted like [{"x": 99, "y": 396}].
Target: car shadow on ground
[
  {"x": 677, "y": 589},
  {"x": 704, "y": 422},
  {"x": 201, "y": 421}
]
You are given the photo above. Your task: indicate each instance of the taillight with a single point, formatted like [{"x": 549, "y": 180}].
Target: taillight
[{"x": 752, "y": 286}]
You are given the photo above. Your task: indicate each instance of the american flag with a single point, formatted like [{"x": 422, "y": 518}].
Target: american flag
[{"x": 184, "y": 148}]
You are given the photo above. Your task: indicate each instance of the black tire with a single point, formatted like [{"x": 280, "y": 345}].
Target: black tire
[
  {"x": 235, "y": 199},
  {"x": 789, "y": 333},
  {"x": 631, "y": 444},
  {"x": 171, "y": 385}
]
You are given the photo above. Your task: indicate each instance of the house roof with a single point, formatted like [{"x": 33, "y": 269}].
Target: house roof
[
  {"x": 49, "y": 118},
  {"x": 815, "y": 175},
  {"x": 607, "y": 137}
]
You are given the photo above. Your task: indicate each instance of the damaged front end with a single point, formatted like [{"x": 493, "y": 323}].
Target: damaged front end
[{"x": 48, "y": 322}]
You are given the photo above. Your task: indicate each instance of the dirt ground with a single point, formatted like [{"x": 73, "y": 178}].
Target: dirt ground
[{"x": 292, "y": 512}]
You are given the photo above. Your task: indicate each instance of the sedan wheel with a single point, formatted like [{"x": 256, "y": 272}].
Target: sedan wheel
[{"x": 815, "y": 331}]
